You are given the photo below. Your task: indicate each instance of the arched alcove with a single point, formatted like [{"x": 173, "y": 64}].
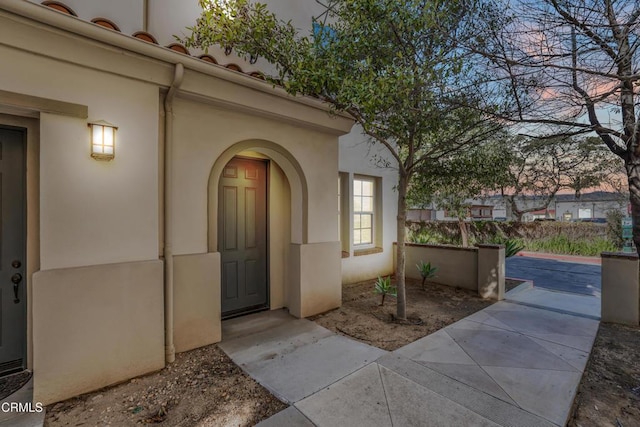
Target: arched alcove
[{"x": 293, "y": 172}]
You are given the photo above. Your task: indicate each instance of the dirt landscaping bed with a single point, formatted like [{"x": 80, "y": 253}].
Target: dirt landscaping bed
[
  {"x": 609, "y": 393},
  {"x": 202, "y": 388},
  {"x": 361, "y": 317}
]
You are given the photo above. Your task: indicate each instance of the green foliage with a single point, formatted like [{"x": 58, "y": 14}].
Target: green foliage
[
  {"x": 383, "y": 287},
  {"x": 614, "y": 228},
  {"x": 427, "y": 271},
  {"x": 555, "y": 237},
  {"x": 512, "y": 247},
  {"x": 420, "y": 238},
  {"x": 455, "y": 179},
  {"x": 563, "y": 245}
]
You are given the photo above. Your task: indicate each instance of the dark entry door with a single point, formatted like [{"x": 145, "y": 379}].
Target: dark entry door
[
  {"x": 12, "y": 250},
  {"x": 242, "y": 236}
]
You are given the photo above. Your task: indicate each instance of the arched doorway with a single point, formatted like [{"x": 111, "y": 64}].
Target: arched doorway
[{"x": 252, "y": 223}]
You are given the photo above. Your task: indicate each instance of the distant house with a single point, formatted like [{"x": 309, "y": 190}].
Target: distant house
[
  {"x": 148, "y": 192},
  {"x": 594, "y": 205},
  {"x": 563, "y": 207}
]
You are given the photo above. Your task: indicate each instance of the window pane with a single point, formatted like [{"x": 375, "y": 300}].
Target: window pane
[
  {"x": 357, "y": 187},
  {"x": 367, "y": 204},
  {"x": 357, "y": 204},
  {"x": 367, "y": 188},
  {"x": 356, "y": 237},
  {"x": 365, "y": 221},
  {"x": 365, "y": 236},
  {"x": 357, "y": 221}
]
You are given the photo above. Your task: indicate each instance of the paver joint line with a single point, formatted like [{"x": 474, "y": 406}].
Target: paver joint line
[
  {"x": 384, "y": 391},
  {"x": 555, "y": 310}
]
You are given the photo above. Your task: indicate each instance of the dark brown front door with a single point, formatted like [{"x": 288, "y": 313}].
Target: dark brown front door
[
  {"x": 242, "y": 236},
  {"x": 13, "y": 296}
]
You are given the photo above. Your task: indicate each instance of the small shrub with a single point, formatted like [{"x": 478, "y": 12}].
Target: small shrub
[
  {"x": 426, "y": 270},
  {"x": 614, "y": 228},
  {"x": 421, "y": 238},
  {"x": 512, "y": 247},
  {"x": 383, "y": 287}
]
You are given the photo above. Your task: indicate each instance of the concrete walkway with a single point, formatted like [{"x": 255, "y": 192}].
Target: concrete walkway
[
  {"x": 507, "y": 365},
  {"x": 16, "y": 419}
]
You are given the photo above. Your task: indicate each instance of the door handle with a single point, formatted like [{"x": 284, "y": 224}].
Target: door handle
[{"x": 16, "y": 279}]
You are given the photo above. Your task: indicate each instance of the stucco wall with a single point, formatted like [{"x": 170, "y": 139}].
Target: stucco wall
[
  {"x": 480, "y": 269},
  {"x": 456, "y": 266},
  {"x": 620, "y": 288},
  {"x": 95, "y": 326},
  {"x": 196, "y": 301},
  {"x": 315, "y": 276},
  {"x": 95, "y": 212},
  {"x": 203, "y": 133},
  {"x": 279, "y": 236},
  {"x": 359, "y": 157}
]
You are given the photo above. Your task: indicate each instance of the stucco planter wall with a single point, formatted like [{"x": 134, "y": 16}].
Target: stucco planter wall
[{"x": 479, "y": 269}]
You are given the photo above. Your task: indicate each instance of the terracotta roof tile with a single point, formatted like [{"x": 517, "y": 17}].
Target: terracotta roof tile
[
  {"x": 60, "y": 7},
  {"x": 143, "y": 35},
  {"x": 208, "y": 58},
  {"x": 148, "y": 37},
  {"x": 179, "y": 48},
  {"x": 234, "y": 67},
  {"x": 104, "y": 22}
]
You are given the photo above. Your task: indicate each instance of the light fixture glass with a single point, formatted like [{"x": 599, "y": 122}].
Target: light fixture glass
[{"x": 103, "y": 140}]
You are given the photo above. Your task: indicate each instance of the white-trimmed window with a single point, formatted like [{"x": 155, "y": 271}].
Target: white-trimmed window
[{"x": 363, "y": 211}]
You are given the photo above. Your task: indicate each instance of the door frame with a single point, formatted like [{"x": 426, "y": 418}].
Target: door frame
[
  {"x": 267, "y": 305},
  {"x": 25, "y": 293}
]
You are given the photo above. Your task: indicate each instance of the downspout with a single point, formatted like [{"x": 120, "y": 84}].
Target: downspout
[
  {"x": 145, "y": 15},
  {"x": 169, "y": 348}
]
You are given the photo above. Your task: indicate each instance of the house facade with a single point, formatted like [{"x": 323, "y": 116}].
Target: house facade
[{"x": 149, "y": 192}]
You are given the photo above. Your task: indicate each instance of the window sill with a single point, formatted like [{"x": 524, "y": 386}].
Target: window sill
[
  {"x": 345, "y": 254},
  {"x": 368, "y": 251}
]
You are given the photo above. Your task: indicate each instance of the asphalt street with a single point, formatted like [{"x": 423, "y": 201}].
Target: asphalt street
[{"x": 556, "y": 275}]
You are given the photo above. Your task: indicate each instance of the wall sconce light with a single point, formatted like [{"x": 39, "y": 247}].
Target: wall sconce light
[{"x": 103, "y": 140}]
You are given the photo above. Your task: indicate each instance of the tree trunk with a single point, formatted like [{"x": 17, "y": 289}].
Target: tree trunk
[
  {"x": 464, "y": 233},
  {"x": 401, "y": 308},
  {"x": 633, "y": 175}
]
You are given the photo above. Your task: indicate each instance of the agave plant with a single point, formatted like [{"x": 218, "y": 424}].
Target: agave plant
[
  {"x": 512, "y": 247},
  {"x": 383, "y": 287},
  {"x": 426, "y": 270}
]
